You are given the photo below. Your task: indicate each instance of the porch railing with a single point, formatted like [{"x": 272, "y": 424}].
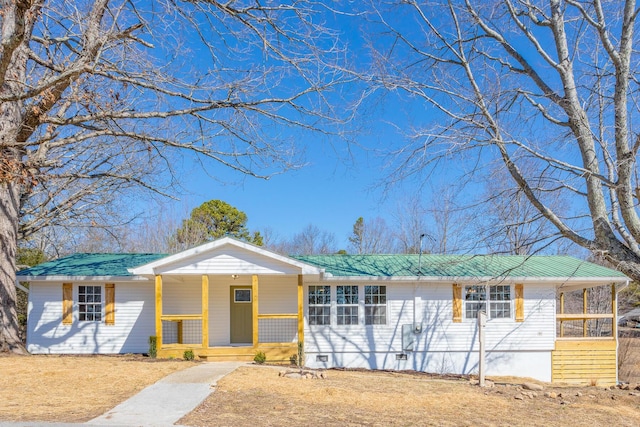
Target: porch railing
[
  {"x": 591, "y": 325},
  {"x": 277, "y": 328},
  {"x": 181, "y": 328}
]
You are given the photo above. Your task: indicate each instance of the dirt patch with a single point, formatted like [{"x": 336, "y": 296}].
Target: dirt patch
[
  {"x": 74, "y": 388},
  {"x": 253, "y": 396}
]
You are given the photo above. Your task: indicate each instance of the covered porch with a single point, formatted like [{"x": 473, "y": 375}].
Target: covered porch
[
  {"x": 231, "y": 317},
  {"x": 586, "y": 343},
  {"x": 228, "y": 300}
]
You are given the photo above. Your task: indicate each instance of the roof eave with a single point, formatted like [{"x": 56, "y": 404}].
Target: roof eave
[
  {"x": 59, "y": 278},
  {"x": 591, "y": 281},
  {"x": 152, "y": 267}
]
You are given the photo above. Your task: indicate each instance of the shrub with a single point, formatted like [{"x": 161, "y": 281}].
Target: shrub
[
  {"x": 153, "y": 346},
  {"x": 300, "y": 354},
  {"x": 188, "y": 355},
  {"x": 260, "y": 358}
]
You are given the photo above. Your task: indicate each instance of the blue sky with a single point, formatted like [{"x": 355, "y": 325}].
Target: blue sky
[{"x": 340, "y": 182}]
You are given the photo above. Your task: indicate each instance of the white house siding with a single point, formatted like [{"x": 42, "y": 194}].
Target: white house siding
[
  {"x": 183, "y": 296},
  {"x": 515, "y": 348},
  {"x": 134, "y": 321},
  {"x": 278, "y": 294}
]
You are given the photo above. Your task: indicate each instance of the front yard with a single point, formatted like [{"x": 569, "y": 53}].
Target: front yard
[
  {"x": 253, "y": 396},
  {"x": 76, "y": 389},
  {"x": 73, "y": 388}
]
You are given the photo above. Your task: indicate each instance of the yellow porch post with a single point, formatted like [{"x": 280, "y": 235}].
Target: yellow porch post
[
  {"x": 158, "y": 312},
  {"x": 205, "y": 311},
  {"x": 584, "y": 311},
  {"x": 561, "y": 312},
  {"x": 254, "y": 308},
  {"x": 614, "y": 305},
  {"x": 300, "y": 310},
  {"x": 180, "y": 329}
]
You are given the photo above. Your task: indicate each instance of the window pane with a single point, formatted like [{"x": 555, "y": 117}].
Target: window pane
[
  {"x": 347, "y": 302},
  {"x": 319, "y": 305},
  {"x": 472, "y": 309},
  {"x": 242, "y": 295},
  {"x": 347, "y": 294},
  {"x": 376, "y": 315},
  {"x": 347, "y": 315},
  {"x": 501, "y": 310},
  {"x": 500, "y": 293},
  {"x": 375, "y": 305},
  {"x": 475, "y": 293},
  {"x": 90, "y": 307}
]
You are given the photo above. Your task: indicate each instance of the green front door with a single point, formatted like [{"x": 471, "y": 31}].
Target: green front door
[{"x": 241, "y": 316}]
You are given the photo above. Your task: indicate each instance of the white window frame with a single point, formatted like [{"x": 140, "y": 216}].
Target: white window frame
[
  {"x": 375, "y": 303},
  {"x": 324, "y": 305},
  {"x": 89, "y": 301},
  {"x": 348, "y": 305},
  {"x": 486, "y": 301}
]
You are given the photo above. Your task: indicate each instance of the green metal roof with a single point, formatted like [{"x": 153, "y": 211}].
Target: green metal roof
[
  {"x": 457, "y": 266},
  {"x": 359, "y": 266},
  {"x": 91, "y": 265}
]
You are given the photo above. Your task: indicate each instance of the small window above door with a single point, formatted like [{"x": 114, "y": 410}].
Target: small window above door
[{"x": 242, "y": 295}]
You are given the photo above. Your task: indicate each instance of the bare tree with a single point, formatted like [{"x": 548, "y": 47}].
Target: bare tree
[
  {"x": 508, "y": 223},
  {"x": 372, "y": 237},
  {"x": 410, "y": 223},
  {"x": 310, "y": 241},
  {"x": 442, "y": 223},
  {"x": 99, "y": 99},
  {"x": 550, "y": 84},
  {"x": 449, "y": 219}
]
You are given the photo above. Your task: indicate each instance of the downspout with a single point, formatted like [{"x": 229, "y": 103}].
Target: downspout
[
  {"x": 417, "y": 328},
  {"x": 22, "y": 288}
]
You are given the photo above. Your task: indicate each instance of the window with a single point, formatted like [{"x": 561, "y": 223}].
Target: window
[
  {"x": 500, "y": 302},
  {"x": 90, "y": 303},
  {"x": 347, "y": 301},
  {"x": 375, "y": 305},
  {"x": 474, "y": 300},
  {"x": 498, "y": 298},
  {"x": 242, "y": 295},
  {"x": 319, "y": 305}
]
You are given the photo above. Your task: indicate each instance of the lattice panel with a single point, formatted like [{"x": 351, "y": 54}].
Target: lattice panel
[
  {"x": 191, "y": 332},
  {"x": 277, "y": 330}
]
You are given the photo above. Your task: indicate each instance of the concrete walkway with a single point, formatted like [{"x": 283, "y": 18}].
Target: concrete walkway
[
  {"x": 161, "y": 404},
  {"x": 168, "y": 400}
]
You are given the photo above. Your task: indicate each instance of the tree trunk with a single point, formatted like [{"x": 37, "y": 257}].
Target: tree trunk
[{"x": 9, "y": 209}]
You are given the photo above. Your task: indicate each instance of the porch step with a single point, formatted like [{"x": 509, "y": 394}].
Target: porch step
[{"x": 274, "y": 354}]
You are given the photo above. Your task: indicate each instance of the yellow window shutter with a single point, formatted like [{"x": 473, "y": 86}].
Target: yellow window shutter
[
  {"x": 457, "y": 303},
  {"x": 67, "y": 303},
  {"x": 110, "y": 304},
  {"x": 519, "y": 303}
]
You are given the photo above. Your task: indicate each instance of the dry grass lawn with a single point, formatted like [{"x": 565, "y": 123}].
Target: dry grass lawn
[
  {"x": 257, "y": 396},
  {"x": 73, "y": 388}
]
